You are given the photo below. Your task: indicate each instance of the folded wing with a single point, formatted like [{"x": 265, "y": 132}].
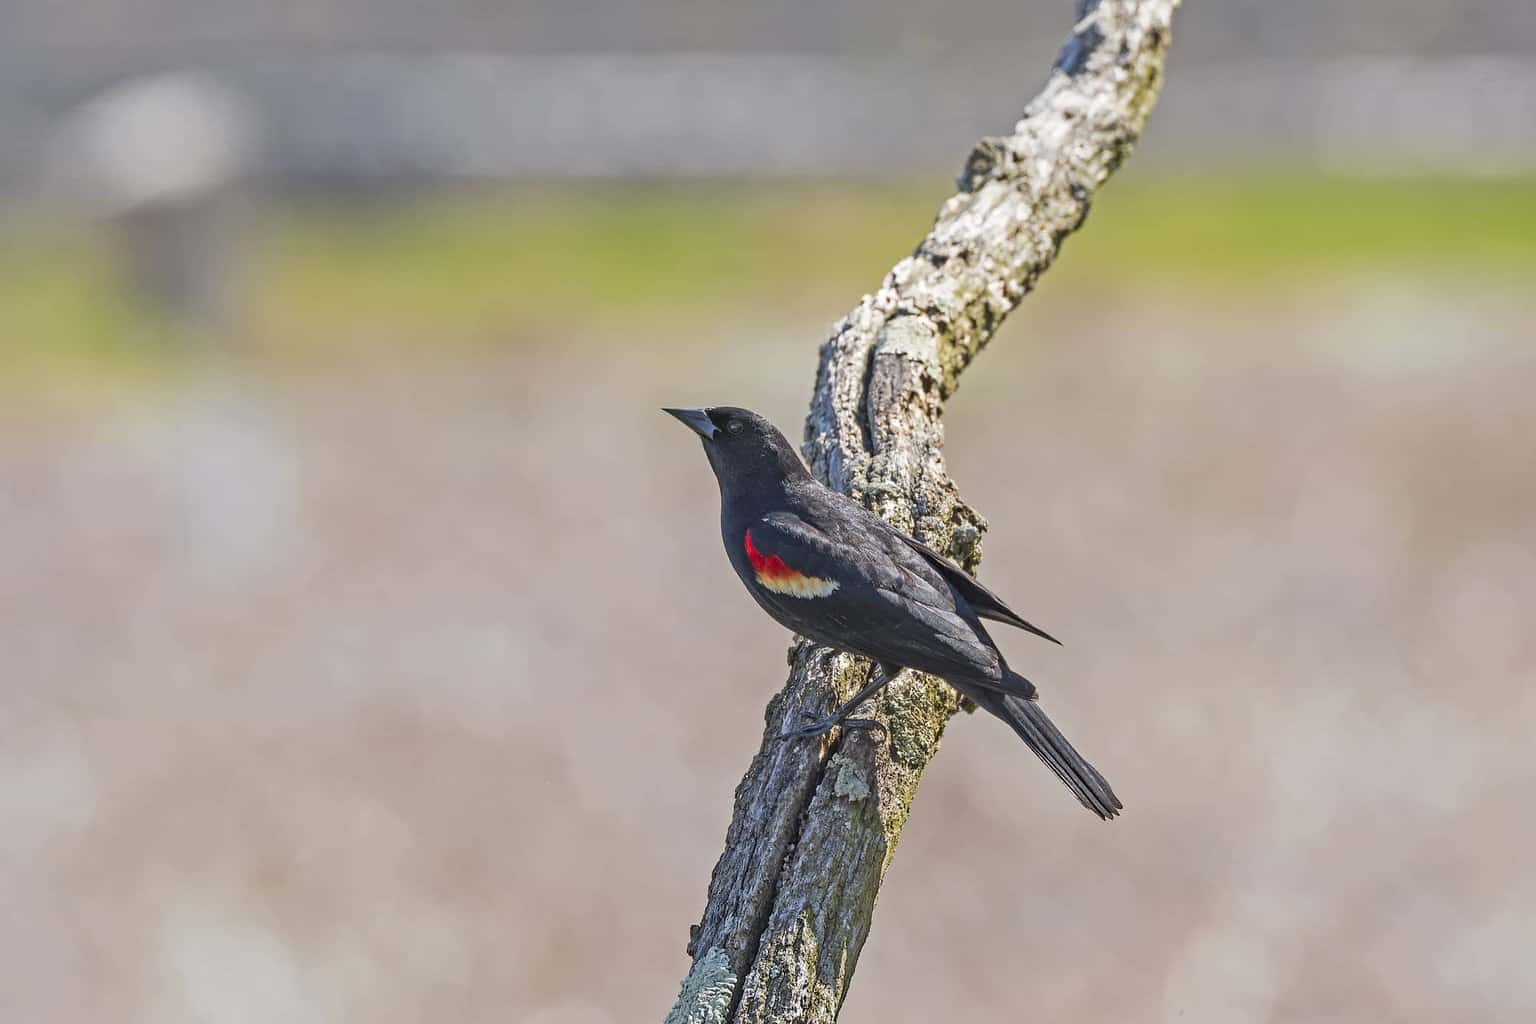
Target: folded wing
[
  {"x": 985, "y": 603},
  {"x": 889, "y": 604}
]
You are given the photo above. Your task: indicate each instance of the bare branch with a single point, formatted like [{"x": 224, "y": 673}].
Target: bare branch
[{"x": 815, "y": 826}]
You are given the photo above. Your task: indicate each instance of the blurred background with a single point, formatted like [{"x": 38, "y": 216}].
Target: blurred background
[{"x": 366, "y": 648}]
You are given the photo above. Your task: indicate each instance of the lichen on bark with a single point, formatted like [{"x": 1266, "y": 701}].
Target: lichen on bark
[
  {"x": 792, "y": 895},
  {"x": 707, "y": 991}
]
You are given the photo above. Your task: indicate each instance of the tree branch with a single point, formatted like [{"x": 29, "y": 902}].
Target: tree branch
[{"x": 815, "y": 825}]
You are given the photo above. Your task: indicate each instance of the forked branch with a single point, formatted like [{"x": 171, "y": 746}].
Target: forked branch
[{"x": 815, "y": 825}]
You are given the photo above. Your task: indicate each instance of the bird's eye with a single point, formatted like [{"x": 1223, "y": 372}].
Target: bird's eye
[{"x": 734, "y": 426}]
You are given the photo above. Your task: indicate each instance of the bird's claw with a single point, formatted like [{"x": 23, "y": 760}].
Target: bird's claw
[{"x": 822, "y": 726}]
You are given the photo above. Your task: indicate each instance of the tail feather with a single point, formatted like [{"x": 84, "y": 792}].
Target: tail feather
[{"x": 1042, "y": 736}]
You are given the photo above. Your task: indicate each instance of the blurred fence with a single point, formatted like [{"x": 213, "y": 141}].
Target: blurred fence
[{"x": 389, "y": 118}]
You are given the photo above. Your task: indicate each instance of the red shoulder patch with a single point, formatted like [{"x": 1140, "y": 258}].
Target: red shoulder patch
[{"x": 774, "y": 574}]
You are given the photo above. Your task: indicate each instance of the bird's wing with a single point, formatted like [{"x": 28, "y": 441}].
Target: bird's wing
[
  {"x": 879, "y": 607},
  {"x": 985, "y": 603},
  {"x": 791, "y": 557}
]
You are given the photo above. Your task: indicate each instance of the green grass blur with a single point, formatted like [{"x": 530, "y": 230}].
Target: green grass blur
[{"x": 591, "y": 262}]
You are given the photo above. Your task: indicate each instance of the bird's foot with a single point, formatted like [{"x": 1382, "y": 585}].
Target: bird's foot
[{"x": 821, "y": 726}]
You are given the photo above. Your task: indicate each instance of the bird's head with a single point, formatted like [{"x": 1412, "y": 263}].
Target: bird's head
[{"x": 746, "y": 452}]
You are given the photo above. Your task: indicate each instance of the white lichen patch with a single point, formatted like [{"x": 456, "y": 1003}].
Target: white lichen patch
[
  {"x": 707, "y": 991},
  {"x": 848, "y": 782},
  {"x": 912, "y": 337}
]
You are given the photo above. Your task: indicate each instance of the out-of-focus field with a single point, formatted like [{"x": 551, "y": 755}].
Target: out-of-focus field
[
  {"x": 391, "y": 670},
  {"x": 585, "y": 264}
]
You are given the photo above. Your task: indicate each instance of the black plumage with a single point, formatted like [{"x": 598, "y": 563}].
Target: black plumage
[{"x": 831, "y": 570}]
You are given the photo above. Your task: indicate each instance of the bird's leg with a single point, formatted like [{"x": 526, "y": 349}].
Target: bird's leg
[{"x": 881, "y": 675}]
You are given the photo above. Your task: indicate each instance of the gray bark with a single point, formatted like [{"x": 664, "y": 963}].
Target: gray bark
[{"x": 815, "y": 824}]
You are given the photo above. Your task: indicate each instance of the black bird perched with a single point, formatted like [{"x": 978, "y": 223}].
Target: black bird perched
[{"x": 831, "y": 570}]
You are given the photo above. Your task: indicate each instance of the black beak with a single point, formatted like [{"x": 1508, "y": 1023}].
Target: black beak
[{"x": 698, "y": 420}]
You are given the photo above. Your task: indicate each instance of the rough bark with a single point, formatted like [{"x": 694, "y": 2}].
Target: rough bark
[{"x": 815, "y": 824}]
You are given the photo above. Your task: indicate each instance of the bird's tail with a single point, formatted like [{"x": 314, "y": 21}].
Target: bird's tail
[{"x": 1037, "y": 730}]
